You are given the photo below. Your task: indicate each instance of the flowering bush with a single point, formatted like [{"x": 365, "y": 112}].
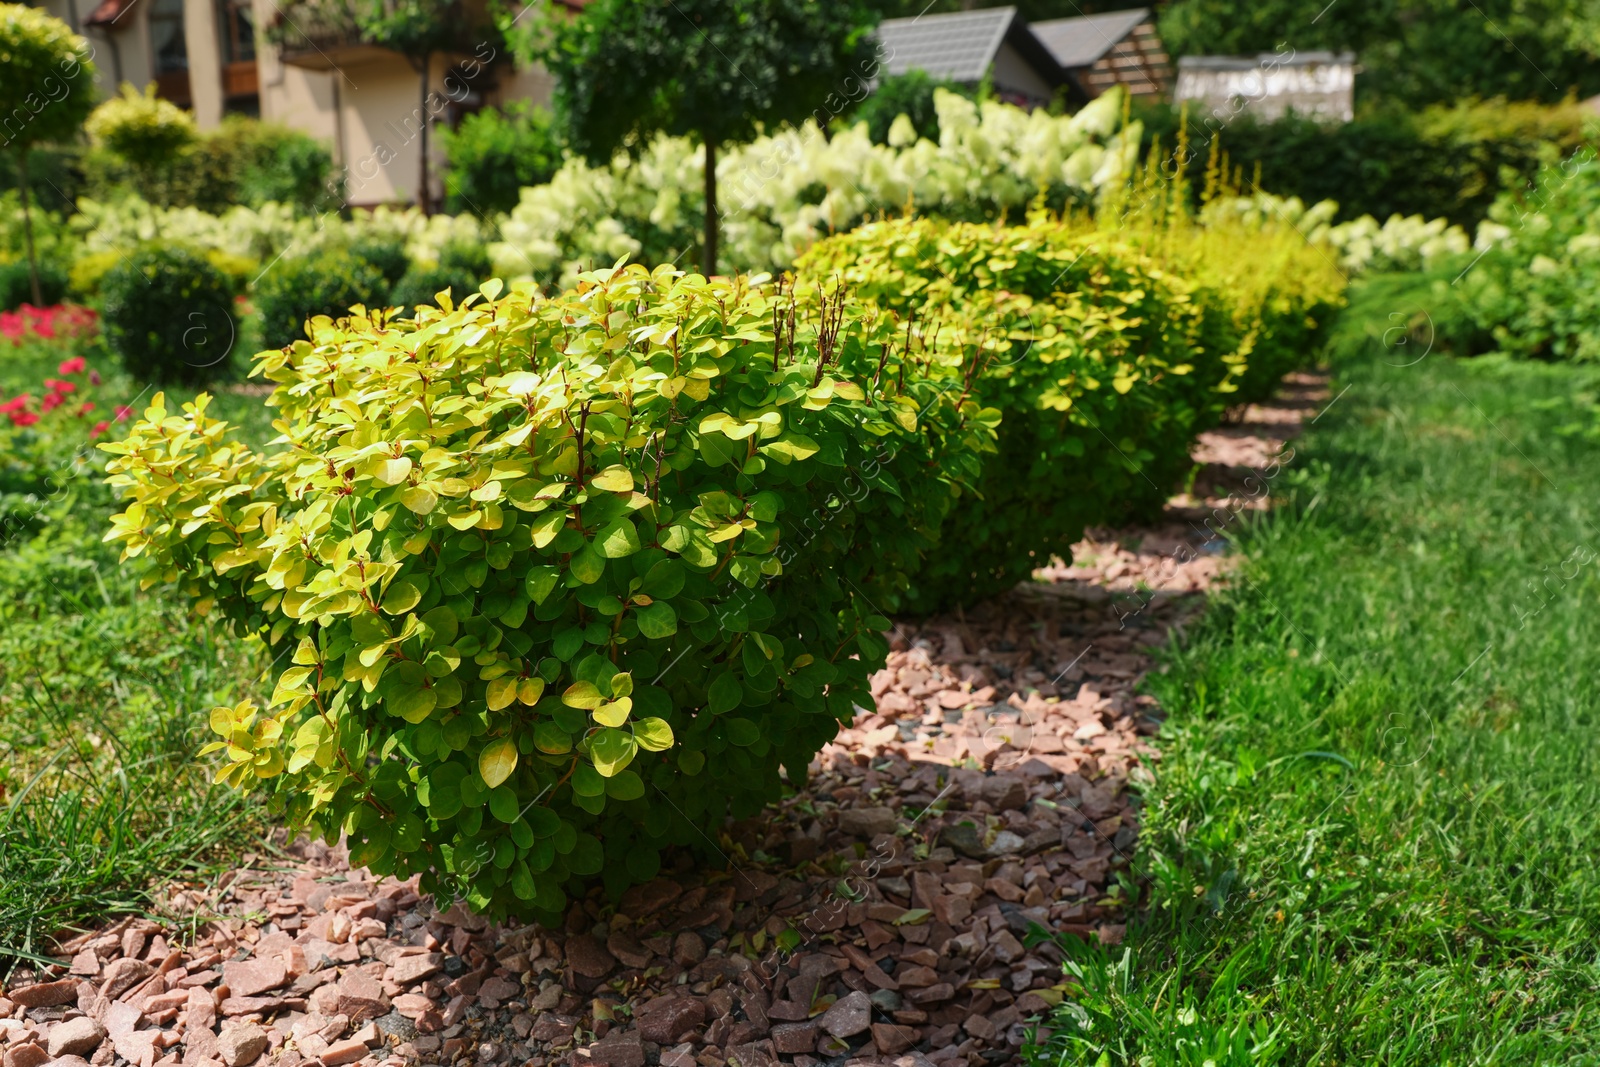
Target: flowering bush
[
  {"x": 47, "y": 323},
  {"x": 263, "y": 233},
  {"x": 784, "y": 191},
  {"x": 1360, "y": 245},
  {"x": 46, "y": 443}
]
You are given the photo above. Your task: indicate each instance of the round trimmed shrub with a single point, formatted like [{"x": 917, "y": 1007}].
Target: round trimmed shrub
[
  {"x": 16, "y": 290},
  {"x": 554, "y": 583},
  {"x": 328, "y": 282},
  {"x": 462, "y": 267},
  {"x": 386, "y": 252},
  {"x": 168, "y": 313}
]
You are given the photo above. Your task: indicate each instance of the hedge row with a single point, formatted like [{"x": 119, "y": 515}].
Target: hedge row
[
  {"x": 1104, "y": 354},
  {"x": 564, "y": 579}
]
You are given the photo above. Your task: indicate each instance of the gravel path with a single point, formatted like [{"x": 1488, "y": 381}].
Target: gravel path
[{"x": 879, "y": 916}]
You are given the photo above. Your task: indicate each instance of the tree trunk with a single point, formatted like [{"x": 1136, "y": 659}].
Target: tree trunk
[
  {"x": 422, "y": 188},
  {"x": 27, "y": 225},
  {"x": 708, "y": 261}
]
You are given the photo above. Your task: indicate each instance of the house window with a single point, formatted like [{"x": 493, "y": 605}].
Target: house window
[
  {"x": 166, "y": 37},
  {"x": 236, "y": 20}
]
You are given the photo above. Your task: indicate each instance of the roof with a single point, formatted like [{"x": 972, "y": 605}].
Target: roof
[
  {"x": 958, "y": 46},
  {"x": 1265, "y": 59},
  {"x": 1080, "y": 42}
]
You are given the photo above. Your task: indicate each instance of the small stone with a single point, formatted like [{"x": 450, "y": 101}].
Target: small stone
[
  {"x": 666, "y": 1019},
  {"x": 49, "y": 994},
  {"x": 412, "y": 1005},
  {"x": 1003, "y": 792},
  {"x": 644, "y": 899},
  {"x": 933, "y": 994},
  {"x": 688, "y": 949},
  {"x": 618, "y": 1050},
  {"x": 553, "y": 1028},
  {"x": 29, "y": 1055},
  {"x": 868, "y": 822},
  {"x": 849, "y": 1016},
  {"x": 891, "y": 1038},
  {"x": 1006, "y": 948},
  {"x": 790, "y": 1038},
  {"x": 361, "y": 997},
  {"x": 241, "y": 1043},
  {"x": 395, "y": 1025},
  {"x": 886, "y": 1000},
  {"x": 347, "y": 1051},
  {"x": 122, "y": 975},
  {"x": 249, "y": 978},
  {"x": 1006, "y": 843},
  {"x": 679, "y": 1056},
  {"x": 626, "y": 948},
  {"x": 964, "y": 838},
  {"x": 68, "y": 1061},
  {"x": 589, "y": 958},
  {"x": 501, "y": 989},
  {"x": 408, "y": 970},
  {"x": 75, "y": 1037}
]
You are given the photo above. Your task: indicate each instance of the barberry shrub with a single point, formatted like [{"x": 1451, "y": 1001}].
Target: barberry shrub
[
  {"x": 1103, "y": 364},
  {"x": 556, "y": 581}
]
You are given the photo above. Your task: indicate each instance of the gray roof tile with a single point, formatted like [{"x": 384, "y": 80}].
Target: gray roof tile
[
  {"x": 1080, "y": 42},
  {"x": 958, "y": 46}
]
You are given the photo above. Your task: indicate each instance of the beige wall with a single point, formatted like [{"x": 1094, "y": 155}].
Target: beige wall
[
  {"x": 131, "y": 35},
  {"x": 367, "y": 109}
]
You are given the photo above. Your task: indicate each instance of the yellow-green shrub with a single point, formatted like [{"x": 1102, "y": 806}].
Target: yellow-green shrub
[
  {"x": 1103, "y": 363},
  {"x": 563, "y": 580}
]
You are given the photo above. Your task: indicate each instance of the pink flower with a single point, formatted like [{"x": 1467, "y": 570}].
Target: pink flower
[
  {"x": 16, "y": 403},
  {"x": 23, "y": 418},
  {"x": 75, "y": 365},
  {"x": 94, "y": 377},
  {"x": 124, "y": 412},
  {"x": 87, "y": 406},
  {"x": 58, "y": 385},
  {"x": 99, "y": 428},
  {"x": 50, "y": 402}
]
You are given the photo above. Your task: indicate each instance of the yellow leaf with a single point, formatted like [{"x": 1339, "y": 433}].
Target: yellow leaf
[
  {"x": 502, "y": 691},
  {"x": 616, "y": 479},
  {"x": 497, "y": 761},
  {"x": 615, "y": 713},
  {"x": 530, "y": 690}
]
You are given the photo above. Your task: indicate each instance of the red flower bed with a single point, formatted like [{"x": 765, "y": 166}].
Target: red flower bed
[{"x": 59, "y": 320}]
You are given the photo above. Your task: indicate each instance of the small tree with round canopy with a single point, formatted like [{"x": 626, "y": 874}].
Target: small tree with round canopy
[
  {"x": 719, "y": 70},
  {"x": 47, "y": 85}
]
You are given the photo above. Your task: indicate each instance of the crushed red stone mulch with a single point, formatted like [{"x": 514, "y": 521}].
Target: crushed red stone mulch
[{"x": 880, "y": 915}]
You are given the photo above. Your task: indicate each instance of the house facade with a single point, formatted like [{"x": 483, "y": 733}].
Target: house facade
[
  {"x": 1318, "y": 85},
  {"x": 213, "y": 57}
]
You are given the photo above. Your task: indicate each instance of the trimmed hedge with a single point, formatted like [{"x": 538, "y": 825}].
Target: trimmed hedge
[
  {"x": 1102, "y": 365},
  {"x": 1102, "y": 358},
  {"x": 168, "y": 313},
  {"x": 564, "y": 579},
  {"x": 1439, "y": 160}
]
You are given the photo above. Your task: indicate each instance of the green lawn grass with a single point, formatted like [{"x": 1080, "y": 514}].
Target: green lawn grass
[
  {"x": 104, "y": 691},
  {"x": 1373, "y": 834}
]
